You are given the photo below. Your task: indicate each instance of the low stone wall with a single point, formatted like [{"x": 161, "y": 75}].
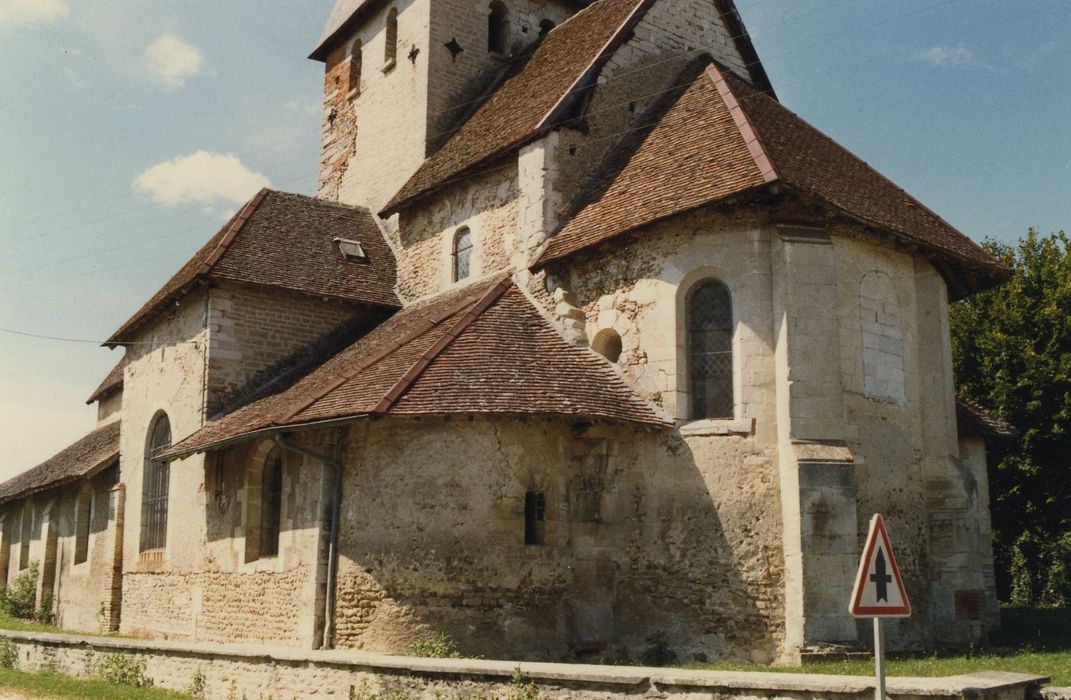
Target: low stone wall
[{"x": 260, "y": 673}]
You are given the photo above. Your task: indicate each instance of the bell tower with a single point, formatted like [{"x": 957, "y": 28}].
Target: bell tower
[{"x": 400, "y": 74}]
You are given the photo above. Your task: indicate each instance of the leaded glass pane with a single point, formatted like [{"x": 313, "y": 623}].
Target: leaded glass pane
[
  {"x": 710, "y": 351},
  {"x": 462, "y": 254},
  {"x": 154, "y": 489}
]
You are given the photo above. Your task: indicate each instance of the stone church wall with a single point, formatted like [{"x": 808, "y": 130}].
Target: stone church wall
[
  {"x": 486, "y": 205},
  {"x": 252, "y": 328},
  {"x": 644, "y": 533},
  {"x": 222, "y": 591}
]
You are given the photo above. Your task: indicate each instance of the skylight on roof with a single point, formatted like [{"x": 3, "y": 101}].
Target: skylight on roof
[{"x": 351, "y": 250}]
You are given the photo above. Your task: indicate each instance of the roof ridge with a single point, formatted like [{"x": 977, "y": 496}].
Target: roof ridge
[
  {"x": 457, "y": 328},
  {"x": 596, "y": 64},
  {"x": 427, "y": 323},
  {"x": 743, "y": 124},
  {"x": 912, "y": 199},
  {"x": 233, "y": 230}
]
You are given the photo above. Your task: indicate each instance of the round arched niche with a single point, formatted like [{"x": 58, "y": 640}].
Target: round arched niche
[{"x": 607, "y": 343}]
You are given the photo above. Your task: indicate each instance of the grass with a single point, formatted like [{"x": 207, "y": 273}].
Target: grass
[
  {"x": 7, "y": 622},
  {"x": 54, "y": 685},
  {"x": 1031, "y": 640}
]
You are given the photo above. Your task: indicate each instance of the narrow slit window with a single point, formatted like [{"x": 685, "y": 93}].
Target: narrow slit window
[
  {"x": 355, "y": 67},
  {"x": 156, "y": 479},
  {"x": 535, "y": 516},
  {"x": 390, "y": 49},
  {"x": 462, "y": 254},
  {"x": 710, "y": 351},
  {"x": 271, "y": 504},
  {"x": 498, "y": 29}
]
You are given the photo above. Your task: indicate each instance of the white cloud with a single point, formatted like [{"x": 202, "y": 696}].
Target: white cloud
[
  {"x": 204, "y": 178},
  {"x": 19, "y": 12},
  {"x": 945, "y": 56},
  {"x": 173, "y": 61}
]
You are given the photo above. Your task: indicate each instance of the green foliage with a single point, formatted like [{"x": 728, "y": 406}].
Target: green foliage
[
  {"x": 658, "y": 651},
  {"x": 123, "y": 670},
  {"x": 1012, "y": 351},
  {"x": 521, "y": 688},
  {"x": 9, "y": 654},
  {"x": 197, "y": 685},
  {"x": 18, "y": 600},
  {"x": 441, "y": 646},
  {"x": 389, "y": 693},
  {"x": 43, "y": 614}
]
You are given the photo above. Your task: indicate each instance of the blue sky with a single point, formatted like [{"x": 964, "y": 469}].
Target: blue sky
[{"x": 129, "y": 130}]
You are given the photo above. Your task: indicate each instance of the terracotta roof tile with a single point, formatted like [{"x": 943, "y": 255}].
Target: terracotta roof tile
[
  {"x": 286, "y": 241},
  {"x": 112, "y": 382},
  {"x": 514, "y": 114},
  {"x": 98, "y": 449},
  {"x": 481, "y": 350},
  {"x": 722, "y": 137},
  {"x": 973, "y": 419}
]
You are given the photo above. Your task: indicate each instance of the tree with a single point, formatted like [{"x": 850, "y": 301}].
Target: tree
[{"x": 1012, "y": 351}]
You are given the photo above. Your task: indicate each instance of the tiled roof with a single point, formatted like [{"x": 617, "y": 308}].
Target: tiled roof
[
  {"x": 516, "y": 111},
  {"x": 112, "y": 383},
  {"x": 286, "y": 241},
  {"x": 98, "y": 449},
  {"x": 484, "y": 349},
  {"x": 974, "y": 420},
  {"x": 722, "y": 137}
]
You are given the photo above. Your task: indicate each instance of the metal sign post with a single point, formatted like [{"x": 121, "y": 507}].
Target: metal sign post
[{"x": 878, "y": 593}]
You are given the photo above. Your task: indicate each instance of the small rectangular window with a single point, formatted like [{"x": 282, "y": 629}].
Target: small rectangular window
[{"x": 535, "y": 515}]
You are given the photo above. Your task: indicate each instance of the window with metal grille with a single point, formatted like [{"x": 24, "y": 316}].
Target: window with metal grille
[
  {"x": 535, "y": 515},
  {"x": 710, "y": 351},
  {"x": 83, "y": 516},
  {"x": 154, "y": 487},
  {"x": 271, "y": 503},
  {"x": 390, "y": 49},
  {"x": 498, "y": 29},
  {"x": 462, "y": 254}
]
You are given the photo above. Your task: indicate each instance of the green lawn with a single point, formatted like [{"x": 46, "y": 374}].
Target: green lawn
[
  {"x": 54, "y": 685},
  {"x": 8, "y": 622},
  {"x": 1031, "y": 640}
]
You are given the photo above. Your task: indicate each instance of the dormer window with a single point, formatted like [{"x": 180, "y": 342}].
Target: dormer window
[
  {"x": 390, "y": 48},
  {"x": 498, "y": 29},
  {"x": 351, "y": 250},
  {"x": 462, "y": 254}
]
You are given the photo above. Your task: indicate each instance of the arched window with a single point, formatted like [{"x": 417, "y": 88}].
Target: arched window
[
  {"x": 535, "y": 515},
  {"x": 709, "y": 323},
  {"x": 545, "y": 26},
  {"x": 462, "y": 254},
  {"x": 498, "y": 29},
  {"x": 271, "y": 503},
  {"x": 154, "y": 486},
  {"x": 355, "y": 67},
  {"x": 83, "y": 515},
  {"x": 390, "y": 48}
]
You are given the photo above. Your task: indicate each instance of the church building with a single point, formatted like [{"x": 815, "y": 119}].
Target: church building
[{"x": 585, "y": 338}]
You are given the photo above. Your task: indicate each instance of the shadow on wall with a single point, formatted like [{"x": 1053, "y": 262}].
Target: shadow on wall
[{"x": 631, "y": 541}]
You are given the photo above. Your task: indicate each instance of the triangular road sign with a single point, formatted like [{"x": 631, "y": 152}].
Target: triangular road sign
[{"x": 879, "y": 589}]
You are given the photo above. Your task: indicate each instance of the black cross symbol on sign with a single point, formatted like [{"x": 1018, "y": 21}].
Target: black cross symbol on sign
[{"x": 881, "y": 578}]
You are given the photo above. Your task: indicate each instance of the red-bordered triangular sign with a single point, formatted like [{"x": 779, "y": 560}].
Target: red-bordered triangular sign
[{"x": 879, "y": 589}]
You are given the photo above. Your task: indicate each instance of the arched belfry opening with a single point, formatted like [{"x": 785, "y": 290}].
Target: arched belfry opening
[{"x": 498, "y": 29}]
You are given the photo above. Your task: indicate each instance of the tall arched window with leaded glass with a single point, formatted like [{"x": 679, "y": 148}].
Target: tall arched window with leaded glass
[
  {"x": 709, "y": 319},
  {"x": 155, "y": 484}
]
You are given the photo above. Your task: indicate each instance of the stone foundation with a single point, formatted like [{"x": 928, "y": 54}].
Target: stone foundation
[{"x": 263, "y": 672}]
